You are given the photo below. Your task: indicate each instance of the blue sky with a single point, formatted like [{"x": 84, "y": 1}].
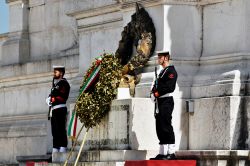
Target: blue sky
[{"x": 4, "y": 17}]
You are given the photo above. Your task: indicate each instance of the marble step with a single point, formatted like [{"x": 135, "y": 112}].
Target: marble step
[
  {"x": 214, "y": 154},
  {"x": 216, "y": 157},
  {"x": 105, "y": 155},
  {"x": 118, "y": 157},
  {"x": 23, "y": 160},
  {"x": 203, "y": 157},
  {"x": 112, "y": 163}
]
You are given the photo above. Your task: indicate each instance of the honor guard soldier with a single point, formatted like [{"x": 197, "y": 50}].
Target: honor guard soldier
[
  {"x": 162, "y": 88},
  {"x": 58, "y": 110}
]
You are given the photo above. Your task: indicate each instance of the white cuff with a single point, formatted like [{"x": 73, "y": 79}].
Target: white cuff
[
  {"x": 63, "y": 149},
  {"x": 171, "y": 148},
  {"x": 163, "y": 149}
]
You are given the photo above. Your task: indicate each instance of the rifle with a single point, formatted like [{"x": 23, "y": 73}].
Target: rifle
[
  {"x": 154, "y": 89},
  {"x": 50, "y": 107}
]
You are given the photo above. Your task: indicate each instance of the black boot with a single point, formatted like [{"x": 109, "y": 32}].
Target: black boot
[
  {"x": 170, "y": 157},
  {"x": 158, "y": 157}
]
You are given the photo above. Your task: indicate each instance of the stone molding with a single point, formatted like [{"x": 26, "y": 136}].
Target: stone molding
[
  {"x": 4, "y": 35},
  {"x": 24, "y": 34},
  {"x": 35, "y": 3},
  {"x": 16, "y": 1},
  {"x": 100, "y": 23},
  {"x": 94, "y": 12},
  {"x": 215, "y": 59},
  {"x": 23, "y": 126},
  {"x": 38, "y": 67},
  {"x": 114, "y": 22},
  {"x": 32, "y": 79},
  {"x": 193, "y": 2},
  {"x": 11, "y": 119},
  {"x": 203, "y": 61},
  {"x": 125, "y": 4},
  {"x": 185, "y": 2},
  {"x": 81, "y": 14},
  {"x": 229, "y": 79},
  {"x": 21, "y": 131},
  {"x": 128, "y": 5},
  {"x": 225, "y": 58}
]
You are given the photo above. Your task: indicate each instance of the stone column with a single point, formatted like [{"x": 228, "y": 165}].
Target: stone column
[
  {"x": 16, "y": 48},
  {"x": 221, "y": 86}
]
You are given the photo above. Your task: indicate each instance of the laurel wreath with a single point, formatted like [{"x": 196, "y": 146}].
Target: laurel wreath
[{"x": 91, "y": 107}]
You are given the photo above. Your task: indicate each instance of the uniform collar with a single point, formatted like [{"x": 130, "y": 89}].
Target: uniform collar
[{"x": 56, "y": 81}]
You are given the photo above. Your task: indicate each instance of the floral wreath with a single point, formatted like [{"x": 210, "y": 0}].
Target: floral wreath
[
  {"x": 100, "y": 83},
  {"x": 99, "y": 88}
]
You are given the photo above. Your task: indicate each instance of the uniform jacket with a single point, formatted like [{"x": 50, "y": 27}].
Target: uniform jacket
[
  {"x": 166, "y": 81},
  {"x": 60, "y": 92}
]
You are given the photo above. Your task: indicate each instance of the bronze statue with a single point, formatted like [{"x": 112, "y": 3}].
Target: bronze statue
[{"x": 139, "y": 32}]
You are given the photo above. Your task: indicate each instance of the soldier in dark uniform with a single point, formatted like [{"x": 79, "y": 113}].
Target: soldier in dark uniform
[
  {"x": 58, "y": 110},
  {"x": 163, "y": 86}
]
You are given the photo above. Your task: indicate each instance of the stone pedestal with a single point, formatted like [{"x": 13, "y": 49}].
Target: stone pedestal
[
  {"x": 16, "y": 50},
  {"x": 23, "y": 135},
  {"x": 130, "y": 124},
  {"x": 222, "y": 125},
  {"x": 216, "y": 157}
]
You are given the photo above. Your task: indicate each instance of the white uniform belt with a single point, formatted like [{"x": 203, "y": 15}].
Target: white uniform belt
[
  {"x": 166, "y": 95},
  {"x": 58, "y": 106}
]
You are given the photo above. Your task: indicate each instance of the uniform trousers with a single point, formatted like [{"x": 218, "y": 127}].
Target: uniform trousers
[
  {"x": 164, "y": 128},
  {"x": 58, "y": 127}
]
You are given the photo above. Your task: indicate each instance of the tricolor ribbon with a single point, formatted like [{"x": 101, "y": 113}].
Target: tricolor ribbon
[{"x": 88, "y": 83}]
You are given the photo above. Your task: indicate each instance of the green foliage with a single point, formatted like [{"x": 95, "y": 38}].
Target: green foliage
[{"x": 92, "y": 107}]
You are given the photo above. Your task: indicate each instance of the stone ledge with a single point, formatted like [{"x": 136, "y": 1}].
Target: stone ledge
[
  {"x": 203, "y": 157},
  {"x": 4, "y": 35},
  {"x": 217, "y": 157},
  {"x": 36, "y": 158},
  {"x": 90, "y": 164},
  {"x": 147, "y": 3},
  {"x": 41, "y": 78},
  {"x": 130, "y": 4},
  {"x": 16, "y": 1},
  {"x": 105, "y": 155},
  {"x": 214, "y": 154},
  {"x": 94, "y": 11},
  {"x": 12, "y": 119},
  {"x": 214, "y": 90},
  {"x": 38, "y": 67},
  {"x": 30, "y": 127}
]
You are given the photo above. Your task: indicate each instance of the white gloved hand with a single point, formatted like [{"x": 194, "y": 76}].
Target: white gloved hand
[
  {"x": 152, "y": 97},
  {"x": 48, "y": 101}
]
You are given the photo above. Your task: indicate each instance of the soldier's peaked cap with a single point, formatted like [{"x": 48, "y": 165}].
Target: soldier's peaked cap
[
  {"x": 58, "y": 67},
  {"x": 160, "y": 53}
]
